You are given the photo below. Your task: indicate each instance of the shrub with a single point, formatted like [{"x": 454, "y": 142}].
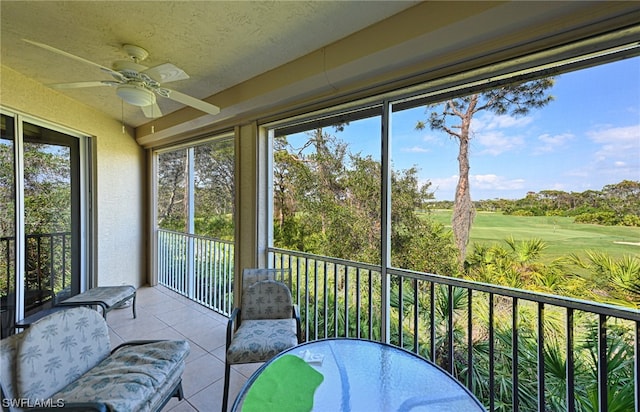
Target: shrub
[{"x": 631, "y": 220}]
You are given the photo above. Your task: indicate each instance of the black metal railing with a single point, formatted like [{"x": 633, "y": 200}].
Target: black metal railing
[
  {"x": 47, "y": 261},
  {"x": 516, "y": 350},
  {"x": 47, "y": 273}
]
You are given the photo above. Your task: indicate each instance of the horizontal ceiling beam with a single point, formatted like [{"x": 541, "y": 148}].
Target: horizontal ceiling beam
[{"x": 427, "y": 41}]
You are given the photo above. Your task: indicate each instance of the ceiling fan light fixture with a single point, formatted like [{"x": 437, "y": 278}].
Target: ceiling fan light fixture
[
  {"x": 137, "y": 84},
  {"x": 135, "y": 95}
]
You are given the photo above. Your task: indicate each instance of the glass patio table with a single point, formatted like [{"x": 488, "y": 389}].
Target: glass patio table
[{"x": 352, "y": 375}]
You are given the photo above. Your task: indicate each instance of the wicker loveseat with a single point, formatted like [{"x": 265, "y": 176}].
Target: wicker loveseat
[{"x": 64, "y": 361}]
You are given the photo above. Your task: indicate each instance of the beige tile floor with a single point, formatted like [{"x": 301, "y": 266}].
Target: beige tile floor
[{"x": 163, "y": 314}]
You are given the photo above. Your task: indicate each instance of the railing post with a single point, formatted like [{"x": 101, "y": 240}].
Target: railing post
[
  {"x": 602, "y": 364},
  {"x": 541, "y": 368},
  {"x": 492, "y": 374},
  {"x": 514, "y": 354},
  {"x": 636, "y": 372},
  {"x": 191, "y": 282},
  {"x": 570, "y": 364}
]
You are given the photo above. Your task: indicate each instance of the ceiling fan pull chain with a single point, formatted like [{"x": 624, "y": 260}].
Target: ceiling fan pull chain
[{"x": 122, "y": 117}]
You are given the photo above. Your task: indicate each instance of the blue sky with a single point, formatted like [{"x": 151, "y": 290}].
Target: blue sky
[{"x": 588, "y": 137}]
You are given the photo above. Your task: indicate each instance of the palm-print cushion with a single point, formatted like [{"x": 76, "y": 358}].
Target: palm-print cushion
[
  {"x": 110, "y": 295},
  {"x": 58, "y": 349},
  {"x": 266, "y": 299},
  {"x": 253, "y": 275},
  {"x": 260, "y": 340},
  {"x": 129, "y": 378},
  {"x": 8, "y": 350}
]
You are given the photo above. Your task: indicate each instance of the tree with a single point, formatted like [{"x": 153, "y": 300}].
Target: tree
[
  {"x": 214, "y": 195},
  {"x": 171, "y": 190},
  {"x": 623, "y": 198},
  {"x": 327, "y": 202},
  {"x": 214, "y": 178},
  {"x": 615, "y": 281},
  {"x": 515, "y": 100},
  {"x": 417, "y": 241},
  {"x": 309, "y": 192}
]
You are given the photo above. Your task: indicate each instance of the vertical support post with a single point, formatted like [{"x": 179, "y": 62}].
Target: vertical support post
[
  {"x": 263, "y": 139},
  {"x": 21, "y": 241},
  {"x": 385, "y": 222},
  {"x": 85, "y": 220},
  {"x": 252, "y": 188},
  {"x": 156, "y": 246},
  {"x": 190, "y": 222}
]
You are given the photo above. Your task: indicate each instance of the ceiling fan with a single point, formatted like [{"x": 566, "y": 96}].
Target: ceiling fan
[{"x": 135, "y": 83}]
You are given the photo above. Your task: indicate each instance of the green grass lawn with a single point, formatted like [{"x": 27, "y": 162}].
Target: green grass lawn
[{"x": 561, "y": 234}]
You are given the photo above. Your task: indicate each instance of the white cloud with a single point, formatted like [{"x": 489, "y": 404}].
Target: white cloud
[
  {"x": 444, "y": 188},
  {"x": 615, "y": 156},
  {"x": 626, "y": 136},
  {"x": 492, "y": 134},
  {"x": 618, "y": 145},
  {"x": 582, "y": 173},
  {"x": 551, "y": 143},
  {"x": 416, "y": 149},
  {"x": 496, "y": 142},
  {"x": 616, "y": 133},
  {"x": 557, "y": 186},
  {"x": 434, "y": 138},
  {"x": 444, "y": 183},
  {"x": 490, "y": 121},
  {"x": 495, "y": 182},
  {"x": 495, "y": 134}
]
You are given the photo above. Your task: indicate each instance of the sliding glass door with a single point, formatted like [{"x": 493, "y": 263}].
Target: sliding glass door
[{"x": 41, "y": 219}]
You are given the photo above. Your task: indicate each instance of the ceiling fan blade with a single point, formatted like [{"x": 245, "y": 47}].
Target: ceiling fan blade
[
  {"x": 165, "y": 73},
  {"x": 79, "y": 85},
  {"x": 188, "y": 100},
  {"x": 72, "y": 56},
  {"x": 151, "y": 111}
]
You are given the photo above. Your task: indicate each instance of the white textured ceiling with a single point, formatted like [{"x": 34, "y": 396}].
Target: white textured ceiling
[{"x": 218, "y": 43}]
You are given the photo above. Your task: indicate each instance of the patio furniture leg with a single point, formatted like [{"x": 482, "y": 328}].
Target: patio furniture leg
[
  {"x": 225, "y": 395},
  {"x": 107, "y": 297}
]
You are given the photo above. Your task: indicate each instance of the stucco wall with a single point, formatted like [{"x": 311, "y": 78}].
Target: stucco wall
[{"x": 119, "y": 176}]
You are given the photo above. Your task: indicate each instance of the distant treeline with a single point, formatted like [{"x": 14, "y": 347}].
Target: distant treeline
[{"x": 615, "y": 204}]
